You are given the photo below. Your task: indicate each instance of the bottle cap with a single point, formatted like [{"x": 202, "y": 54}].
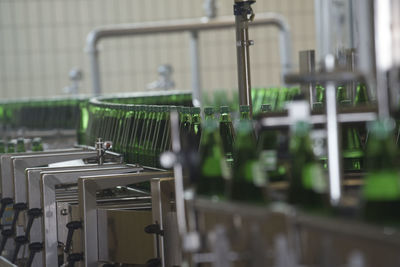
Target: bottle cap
[
  {"x": 266, "y": 108},
  {"x": 224, "y": 109},
  {"x": 195, "y": 110},
  {"x": 208, "y": 110},
  {"x": 244, "y": 108}
]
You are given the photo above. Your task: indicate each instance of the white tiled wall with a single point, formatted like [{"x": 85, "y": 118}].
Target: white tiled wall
[{"x": 41, "y": 40}]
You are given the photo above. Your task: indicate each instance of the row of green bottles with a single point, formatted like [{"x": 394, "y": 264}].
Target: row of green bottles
[
  {"x": 353, "y": 137},
  {"x": 275, "y": 97},
  {"x": 140, "y": 132},
  {"x": 19, "y": 145},
  {"x": 229, "y": 166},
  {"x": 162, "y": 98},
  {"x": 41, "y": 114}
]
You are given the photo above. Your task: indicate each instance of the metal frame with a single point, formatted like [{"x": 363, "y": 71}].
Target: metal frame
[
  {"x": 48, "y": 183},
  {"x": 34, "y": 198},
  {"x": 87, "y": 187},
  {"x": 194, "y": 26},
  {"x": 6, "y": 161}
]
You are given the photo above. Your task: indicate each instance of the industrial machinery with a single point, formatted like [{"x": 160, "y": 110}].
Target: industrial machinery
[{"x": 152, "y": 181}]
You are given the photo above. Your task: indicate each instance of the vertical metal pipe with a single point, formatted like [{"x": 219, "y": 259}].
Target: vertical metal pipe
[
  {"x": 383, "y": 53},
  {"x": 95, "y": 68},
  {"x": 334, "y": 160},
  {"x": 195, "y": 68},
  {"x": 307, "y": 65},
  {"x": 243, "y": 60}
]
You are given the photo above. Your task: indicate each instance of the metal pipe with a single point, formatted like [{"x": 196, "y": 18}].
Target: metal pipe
[
  {"x": 243, "y": 57},
  {"x": 173, "y": 26},
  {"x": 195, "y": 68},
  {"x": 333, "y": 137}
]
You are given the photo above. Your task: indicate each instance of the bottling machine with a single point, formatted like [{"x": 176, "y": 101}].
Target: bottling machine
[{"x": 126, "y": 195}]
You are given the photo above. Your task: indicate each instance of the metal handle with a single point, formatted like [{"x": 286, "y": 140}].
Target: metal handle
[
  {"x": 74, "y": 257},
  {"x": 6, "y": 234},
  {"x": 72, "y": 226},
  {"x": 32, "y": 214},
  {"x": 34, "y": 248},
  {"x": 19, "y": 241}
]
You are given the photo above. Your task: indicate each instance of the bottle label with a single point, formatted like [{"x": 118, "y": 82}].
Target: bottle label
[
  {"x": 382, "y": 186},
  {"x": 314, "y": 178}
]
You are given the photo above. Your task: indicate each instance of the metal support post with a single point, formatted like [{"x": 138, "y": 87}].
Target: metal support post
[
  {"x": 307, "y": 65},
  {"x": 243, "y": 14},
  {"x": 195, "y": 68},
  {"x": 332, "y": 128}
]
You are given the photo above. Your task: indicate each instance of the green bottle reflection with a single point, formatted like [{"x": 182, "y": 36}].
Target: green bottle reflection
[
  {"x": 2, "y": 147},
  {"x": 351, "y": 144},
  {"x": 37, "y": 144},
  {"x": 248, "y": 180},
  {"x": 381, "y": 189},
  {"x": 20, "y": 145},
  {"x": 267, "y": 147},
  {"x": 308, "y": 183},
  {"x": 227, "y": 134},
  {"x": 213, "y": 167}
]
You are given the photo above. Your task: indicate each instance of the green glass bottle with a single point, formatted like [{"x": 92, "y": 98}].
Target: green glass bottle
[
  {"x": 37, "y": 144},
  {"x": 138, "y": 132},
  {"x": 351, "y": 145},
  {"x": 20, "y": 145},
  {"x": 209, "y": 113},
  {"x": 244, "y": 112},
  {"x": 195, "y": 127},
  {"x": 267, "y": 149},
  {"x": 133, "y": 133},
  {"x": 2, "y": 147},
  {"x": 162, "y": 134},
  {"x": 212, "y": 163},
  {"x": 227, "y": 134},
  {"x": 11, "y": 147},
  {"x": 248, "y": 180},
  {"x": 308, "y": 183},
  {"x": 282, "y": 98},
  {"x": 185, "y": 122},
  {"x": 83, "y": 128},
  {"x": 361, "y": 97},
  {"x": 143, "y": 135},
  {"x": 381, "y": 191},
  {"x": 149, "y": 130}
]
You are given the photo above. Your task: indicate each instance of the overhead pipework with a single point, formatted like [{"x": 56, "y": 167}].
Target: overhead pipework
[{"x": 193, "y": 26}]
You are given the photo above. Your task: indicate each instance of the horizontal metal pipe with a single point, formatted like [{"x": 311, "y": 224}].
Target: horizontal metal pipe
[{"x": 190, "y": 25}]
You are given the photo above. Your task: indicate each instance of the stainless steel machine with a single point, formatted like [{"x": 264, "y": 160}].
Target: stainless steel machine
[{"x": 85, "y": 206}]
